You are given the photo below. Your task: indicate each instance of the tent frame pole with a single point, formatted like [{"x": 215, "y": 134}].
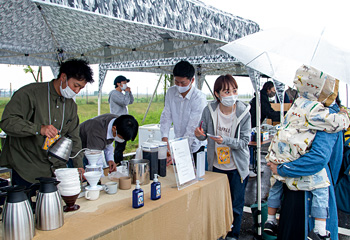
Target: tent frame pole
[
  {"x": 258, "y": 156},
  {"x": 150, "y": 101}
]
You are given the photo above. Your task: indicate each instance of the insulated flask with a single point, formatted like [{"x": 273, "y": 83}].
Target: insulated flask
[
  {"x": 18, "y": 221},
  {"x": 150, "y": 152},
  {"x": 162, "y": 157},
  {"x": 49, "y": 209}
]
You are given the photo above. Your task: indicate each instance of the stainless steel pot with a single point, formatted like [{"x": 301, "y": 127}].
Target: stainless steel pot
[
  {"x": 139, "y": 170},
  {"x": 49, "y": 209},
  {"x": 18, "y": 222}
]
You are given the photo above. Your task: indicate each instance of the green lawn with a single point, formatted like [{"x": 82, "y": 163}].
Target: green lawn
[{"x": 89, "y": 110}]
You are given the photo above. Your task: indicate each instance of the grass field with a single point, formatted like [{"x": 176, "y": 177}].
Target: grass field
[
  {"x": 89, "y": 110},
  {"x": 138, "y": 110}
]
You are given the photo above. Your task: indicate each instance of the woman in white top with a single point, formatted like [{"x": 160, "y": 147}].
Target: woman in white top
[{"x": 228, "y": 120}]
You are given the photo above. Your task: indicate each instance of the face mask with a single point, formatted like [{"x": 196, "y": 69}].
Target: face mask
[
  {"x": 183, "y": 89},
  {"x": 229, "y": 101},
  {"x": 118, "y": 139},
  {"x": 124, "y": 86},
  {"x": 67, "y": 92}
]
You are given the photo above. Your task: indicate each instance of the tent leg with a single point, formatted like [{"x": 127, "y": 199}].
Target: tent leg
[
  {"x": 150, "y": 101},
  {"x": 258, "y": 156},
  {"x": 99, "y": 103},
  {"x": 347, "y": 93},
  {"x": 209, "y": 87}
]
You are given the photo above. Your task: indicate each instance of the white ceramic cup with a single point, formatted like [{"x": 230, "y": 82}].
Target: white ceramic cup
[
  {"x": 111, "y": 187},
  {"x": 92, "y": 194}
]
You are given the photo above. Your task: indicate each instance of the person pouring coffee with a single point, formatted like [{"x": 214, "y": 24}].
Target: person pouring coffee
[{"x": 41, "y": 111}]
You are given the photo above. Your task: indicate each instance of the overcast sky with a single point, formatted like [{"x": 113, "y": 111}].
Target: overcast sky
[{"x": 267, "y": 13}]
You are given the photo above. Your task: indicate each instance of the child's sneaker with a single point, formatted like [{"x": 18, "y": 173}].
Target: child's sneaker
[
  {"x": 315, "y": 236},
  {"x": 270, "y": 228}
]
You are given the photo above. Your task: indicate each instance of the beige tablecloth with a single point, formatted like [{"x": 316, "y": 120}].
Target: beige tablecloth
[{"x": 200, "y": 211}]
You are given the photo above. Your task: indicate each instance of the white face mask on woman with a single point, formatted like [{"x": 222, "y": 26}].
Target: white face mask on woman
[
  {"x": 229, "y": 101},
  {"x": 67, "y": 92},
  {"x": 183, "y": 89}
]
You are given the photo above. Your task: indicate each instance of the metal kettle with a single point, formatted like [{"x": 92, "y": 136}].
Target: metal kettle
[
  {"x": 62, "y": 148},
  {"x": 18, "y": 221},
  {"x": 49, "y": 209}
]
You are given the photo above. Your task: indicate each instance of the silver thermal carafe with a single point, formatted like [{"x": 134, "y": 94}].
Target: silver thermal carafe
[
  {"x": 18, "y": 222},
  {"x": 49, "y": 209}
]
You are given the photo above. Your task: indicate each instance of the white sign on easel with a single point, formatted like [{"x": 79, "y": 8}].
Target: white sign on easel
[{"x": 183, "y": 162}]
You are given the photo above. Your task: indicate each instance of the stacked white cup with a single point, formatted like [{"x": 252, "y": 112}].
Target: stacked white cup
[{"x": 69, "y": 181}]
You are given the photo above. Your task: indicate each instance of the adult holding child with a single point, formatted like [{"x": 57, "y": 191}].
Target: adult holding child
[
  {"x": 228, "y": 122},
  {"x": 311, "y": 213}
]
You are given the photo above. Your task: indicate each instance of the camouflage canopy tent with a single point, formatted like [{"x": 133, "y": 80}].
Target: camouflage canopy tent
[
  {"x": 46, "y": 32},
  {"x": 122, "y": 33}
]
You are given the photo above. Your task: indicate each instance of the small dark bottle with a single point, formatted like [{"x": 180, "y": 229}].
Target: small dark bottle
[
  {"x": 155, "y": 188},
  {"x": 137, "y": 196}
]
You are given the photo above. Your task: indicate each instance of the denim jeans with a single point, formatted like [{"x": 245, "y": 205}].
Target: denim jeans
[
  {"x": 251, "y": 159},
  {"x": 275, "y": 195},
  {"x": 237, "y": 189},
  {"x": 319, "y": 206}
]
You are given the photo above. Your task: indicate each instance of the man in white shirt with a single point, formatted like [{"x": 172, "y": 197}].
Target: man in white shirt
[{"x": 183, "y": 108}]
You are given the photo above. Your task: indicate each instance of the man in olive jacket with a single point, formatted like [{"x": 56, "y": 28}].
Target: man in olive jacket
[{"x": 38, "y": 111}]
